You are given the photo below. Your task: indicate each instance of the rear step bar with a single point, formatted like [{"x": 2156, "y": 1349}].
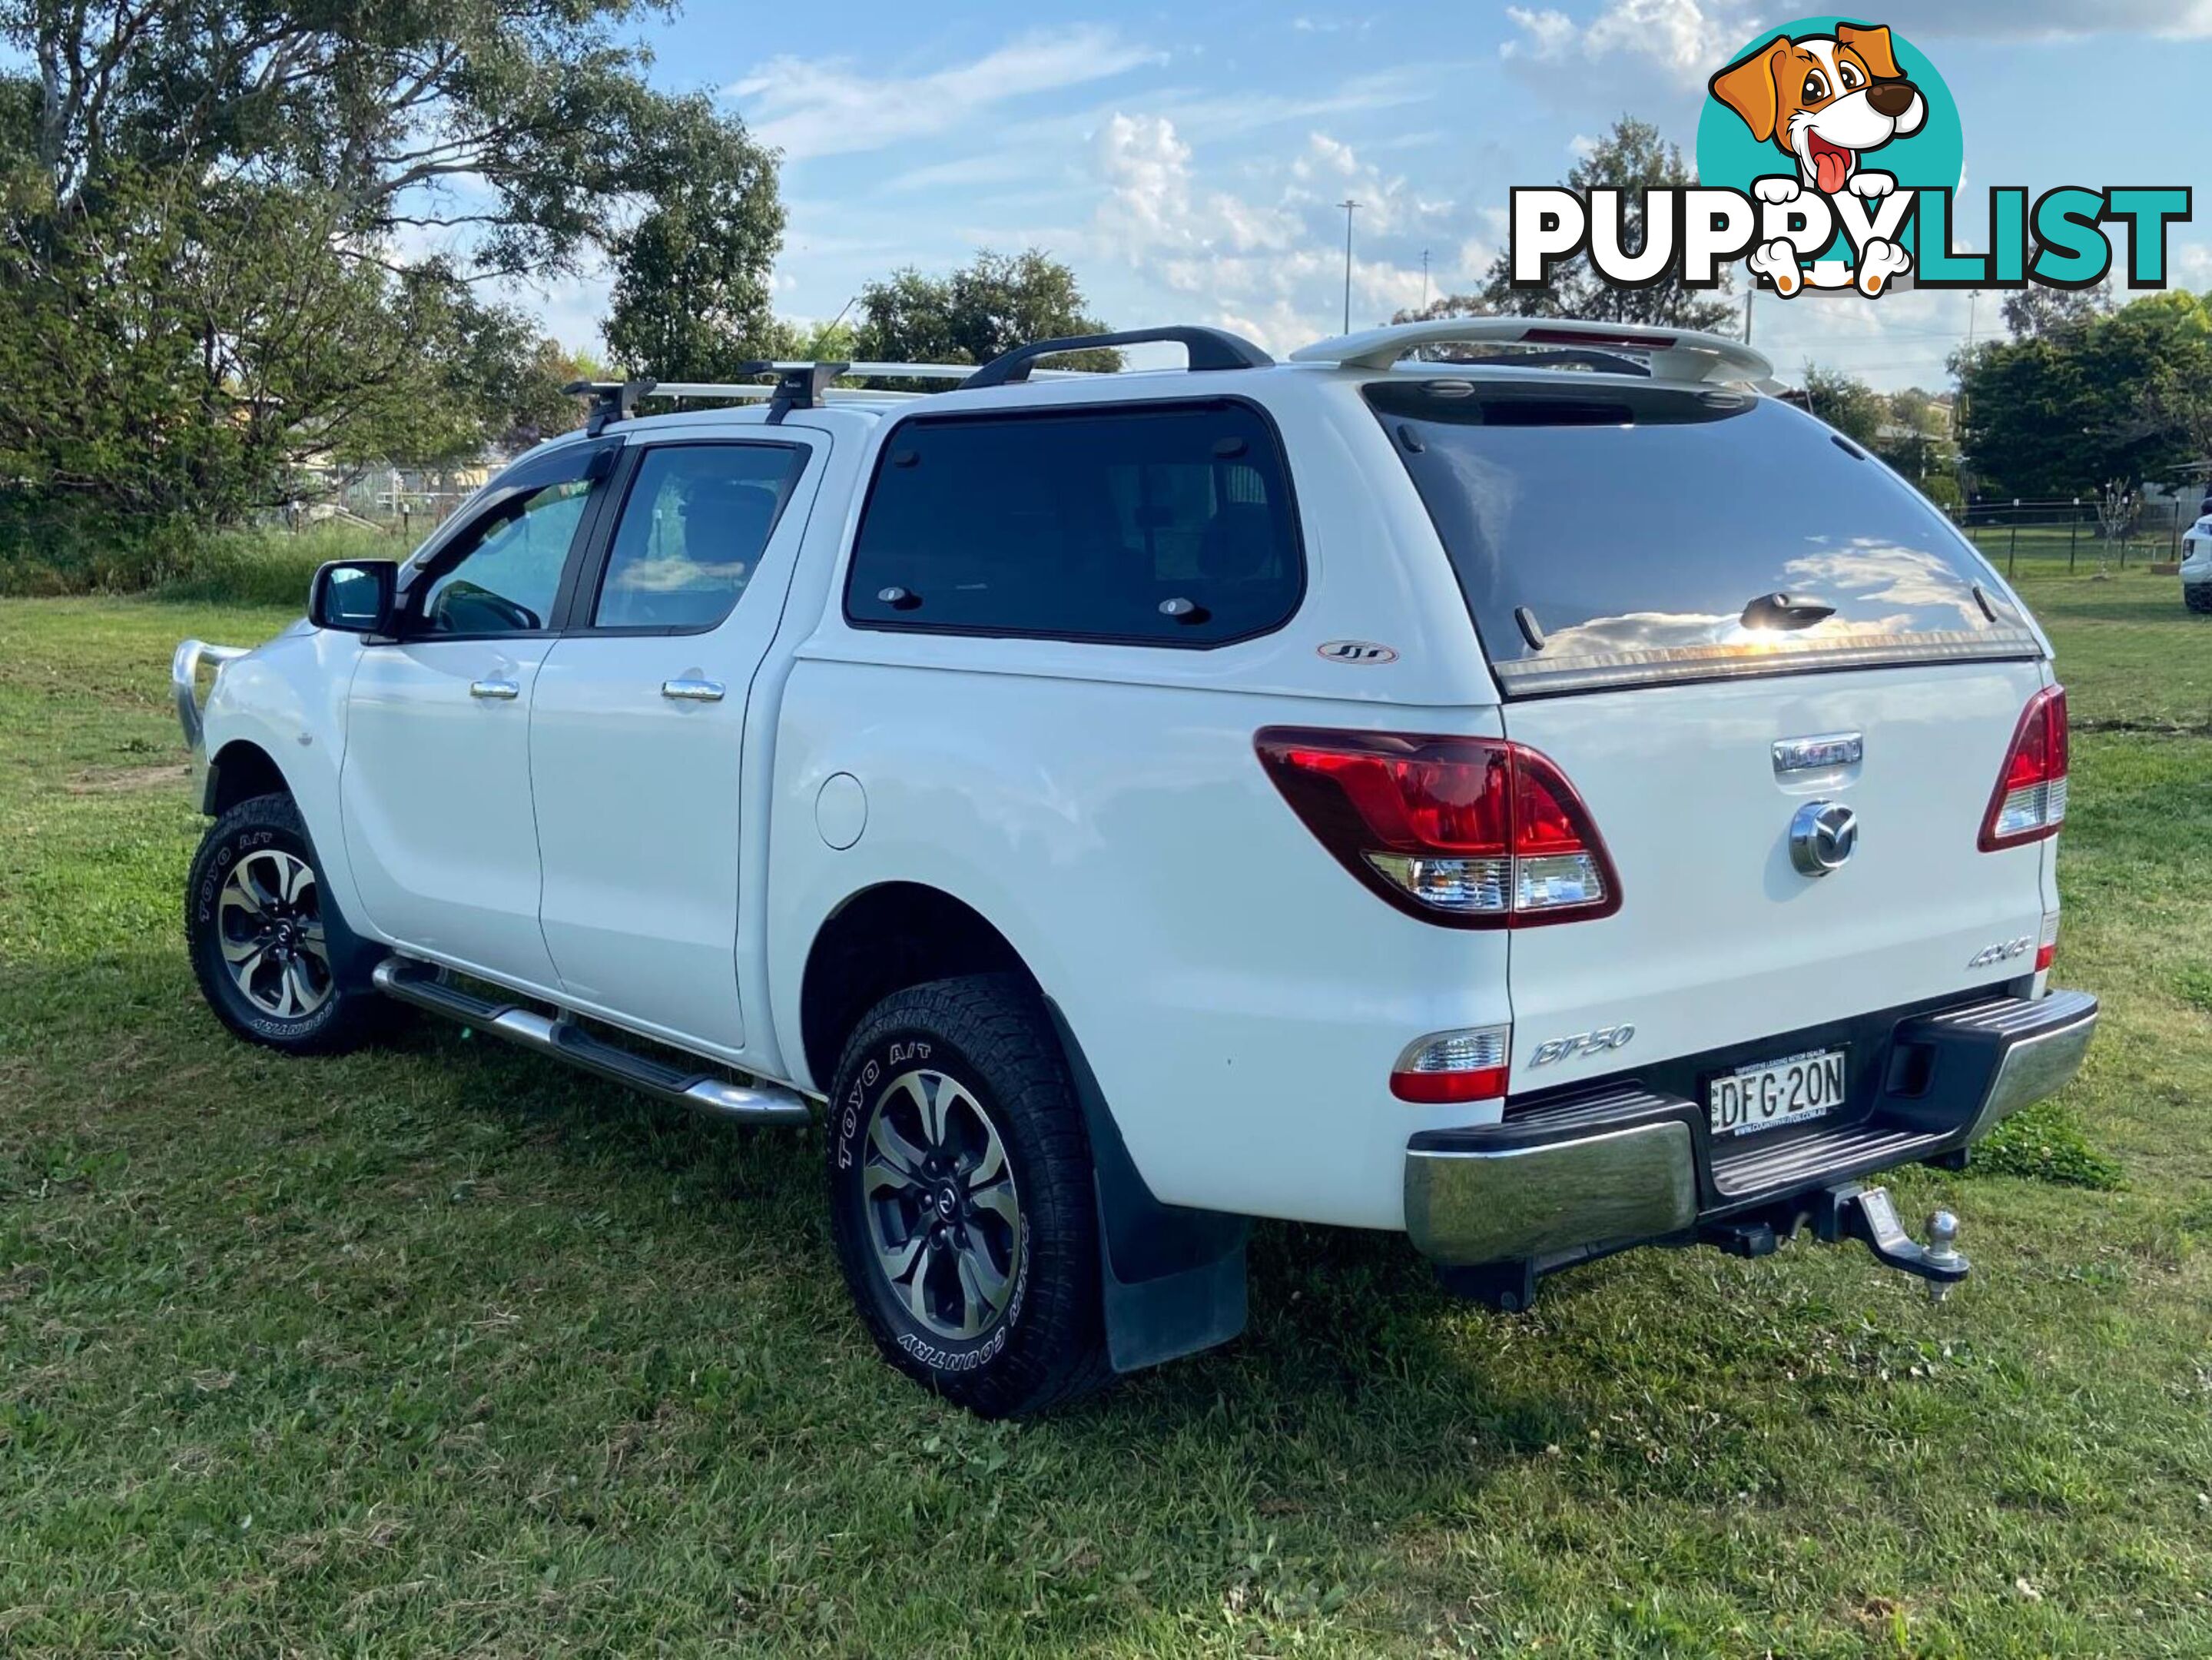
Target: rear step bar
[{"x": 421, "y": 985}]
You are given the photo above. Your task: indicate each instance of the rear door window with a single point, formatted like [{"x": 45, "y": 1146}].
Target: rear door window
[
  {"x": 1166, "y": 524},
  {"x": 1608, "y": 534}
]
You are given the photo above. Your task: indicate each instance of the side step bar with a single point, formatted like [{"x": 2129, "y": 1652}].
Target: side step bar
[{"x": 419, "y": 984}]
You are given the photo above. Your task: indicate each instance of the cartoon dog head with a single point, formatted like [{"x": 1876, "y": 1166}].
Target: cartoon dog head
[{"x": 1824, "y": 100}]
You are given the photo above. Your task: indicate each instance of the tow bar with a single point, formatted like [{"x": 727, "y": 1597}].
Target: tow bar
[{"x": 1850, "y": 1211}]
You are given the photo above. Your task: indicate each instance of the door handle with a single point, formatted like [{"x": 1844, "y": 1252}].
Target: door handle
[
  {"x": 693, "y": 691},
  {"x": 502, "y": 689}
]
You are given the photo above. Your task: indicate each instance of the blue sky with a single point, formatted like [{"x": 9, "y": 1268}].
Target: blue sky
[{"x": 1187, "y": 162}]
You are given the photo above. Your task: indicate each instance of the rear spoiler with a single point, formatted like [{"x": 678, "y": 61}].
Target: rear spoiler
[{"x": 1681, "y": 354}]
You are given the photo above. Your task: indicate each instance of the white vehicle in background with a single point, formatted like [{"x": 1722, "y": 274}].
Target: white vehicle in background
[
  {"x": 1537, "y": 812},
  {"x": 2197, "y": 566}
]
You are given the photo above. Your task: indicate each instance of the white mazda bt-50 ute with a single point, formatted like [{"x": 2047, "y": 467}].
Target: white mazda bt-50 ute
[{"x": 1512, "y": 783}]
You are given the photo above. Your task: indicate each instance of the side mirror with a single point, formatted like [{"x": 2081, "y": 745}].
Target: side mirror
[{"x": 353, "y": 596}]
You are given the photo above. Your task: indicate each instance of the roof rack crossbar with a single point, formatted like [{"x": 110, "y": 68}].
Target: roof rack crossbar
[
  {"x": 799, "y": 385},
  {"x": 1678, "y": 354},
  {"x": 1209, "y": 349}
]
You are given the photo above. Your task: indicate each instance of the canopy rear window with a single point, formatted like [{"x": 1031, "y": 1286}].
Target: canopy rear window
[{"x": 1608, "y": 535}]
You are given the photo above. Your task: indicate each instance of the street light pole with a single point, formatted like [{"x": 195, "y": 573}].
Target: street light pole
[{"x": 1347, "y": 205}]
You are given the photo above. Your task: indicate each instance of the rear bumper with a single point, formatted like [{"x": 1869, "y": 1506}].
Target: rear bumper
[{"x": 1625, "y": 1164}]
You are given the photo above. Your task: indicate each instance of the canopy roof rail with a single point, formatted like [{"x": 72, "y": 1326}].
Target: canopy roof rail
[
  {"x": 1209, "y": 349},
  {"x": 1680, "y": 354}
]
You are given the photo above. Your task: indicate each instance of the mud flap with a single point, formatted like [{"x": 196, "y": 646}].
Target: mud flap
[{"x": 1171, "y": 1280}]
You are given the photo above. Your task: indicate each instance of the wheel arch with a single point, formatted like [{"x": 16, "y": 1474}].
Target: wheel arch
[
  {"x": 239, "y": 771},
  {"x": 884, "y": 938},
  {"x": 1173, "y": 1280}
]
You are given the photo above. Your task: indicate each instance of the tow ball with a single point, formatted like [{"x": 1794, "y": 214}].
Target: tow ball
[{"x": 1850, "y": 1211}]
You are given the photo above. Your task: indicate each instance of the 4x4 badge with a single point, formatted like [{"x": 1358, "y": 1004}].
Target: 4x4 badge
[{"x": 1356, "y": 651}]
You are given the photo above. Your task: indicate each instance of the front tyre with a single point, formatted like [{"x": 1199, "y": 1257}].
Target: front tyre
[
  {"x": 2197, "y": 596},
  {"x": 256, "y": 924},
  {"x": 961, "y": 1197}
]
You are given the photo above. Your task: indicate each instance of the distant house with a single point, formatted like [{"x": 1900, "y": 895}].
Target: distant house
[{"x": 1937, "y": 414}]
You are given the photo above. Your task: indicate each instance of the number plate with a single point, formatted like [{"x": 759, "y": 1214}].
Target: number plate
[{"x": 1785, "y": 1091}]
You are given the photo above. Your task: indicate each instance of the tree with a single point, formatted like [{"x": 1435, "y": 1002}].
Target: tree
[
  {"x": 1845, "y": 402},
  {"x": 1914, "y": 438},
  {"x": 976, "y": 313},
  {"x": 183, "y": 357},
  {"x": 2118, "y": 399},
  {"x": 691, "y": 296},
  {"x": 521, "y": 374},
  {"x": 2035, "y": 311},
  {"x": 523, "y": 125},
  {"x": 212, "y": 264},
  {"x": 1632, "y": 158}
]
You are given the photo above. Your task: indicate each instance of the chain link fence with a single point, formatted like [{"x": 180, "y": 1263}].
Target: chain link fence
[{"x": 404, "y": 500}]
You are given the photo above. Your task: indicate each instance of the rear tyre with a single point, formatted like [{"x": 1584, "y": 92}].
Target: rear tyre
[
  {"x": 961, "y": 1197},
  {"x": 2198, "y": 596},
  {"x": 257, "y": 926}
]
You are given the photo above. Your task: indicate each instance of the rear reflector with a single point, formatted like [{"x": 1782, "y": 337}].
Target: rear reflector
[
  {"x": 1475, "y": 832},
  {"x": 2029, "y": 802},
  {"x": 1453, "y": 1066},
  {"x": 2047, "y": 947}
]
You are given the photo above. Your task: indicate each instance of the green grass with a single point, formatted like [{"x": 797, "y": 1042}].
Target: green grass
[
  {"x": 2030, "y": 549},
  {"x": 439, "y": 1348},
  {"x": 267, "y": 567},
  {"x": 250, "y": 566}
]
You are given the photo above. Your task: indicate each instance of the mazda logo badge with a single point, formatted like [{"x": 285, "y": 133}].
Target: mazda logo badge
[{"x": 1821, "y": 838}]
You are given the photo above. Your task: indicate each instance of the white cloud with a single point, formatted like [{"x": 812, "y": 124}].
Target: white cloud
[
  {"x": 1327, "y": 172},
  {"x": 999, "y": 166},
  {"x": 822, "y": 107},
  {"x": 1210, "y": 116},
  {"x": 1685, "y": 40},
  {"x": 1278, "y": 326},
  {"x": 1269, "y": 262},
  {"x": 1151, "y": 207},
  {"x": 2051, "y": 19}
]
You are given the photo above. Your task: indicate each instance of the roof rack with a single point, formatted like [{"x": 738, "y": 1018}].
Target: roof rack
[
  {"x": 799, "y": 386},
  {"x": 1682, "y": 354},
  {"x": 1209, "y": 349},
  {"x": 805, "y": 385}
]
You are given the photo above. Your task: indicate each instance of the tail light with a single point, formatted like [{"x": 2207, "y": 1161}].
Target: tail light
[
  {"x": 2046, "y": 949},
  {"x": 1453, "y": 1066},
  {"x": 1473, "y": 832},
  {"x": 2030, "y": 799}
]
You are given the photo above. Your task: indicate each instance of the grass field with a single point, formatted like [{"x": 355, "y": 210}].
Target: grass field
[
  {"x": 2027, "y": 550},
  {"x": 440, "y": 1349}
]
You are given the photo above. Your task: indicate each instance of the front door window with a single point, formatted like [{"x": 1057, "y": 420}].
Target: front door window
[{"x": 503, "y": 575}]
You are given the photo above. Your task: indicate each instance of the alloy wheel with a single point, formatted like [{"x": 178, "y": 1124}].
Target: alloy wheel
[
  {"x": 944, "y": 1212},
  {"x": 270, "y": 925}
]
